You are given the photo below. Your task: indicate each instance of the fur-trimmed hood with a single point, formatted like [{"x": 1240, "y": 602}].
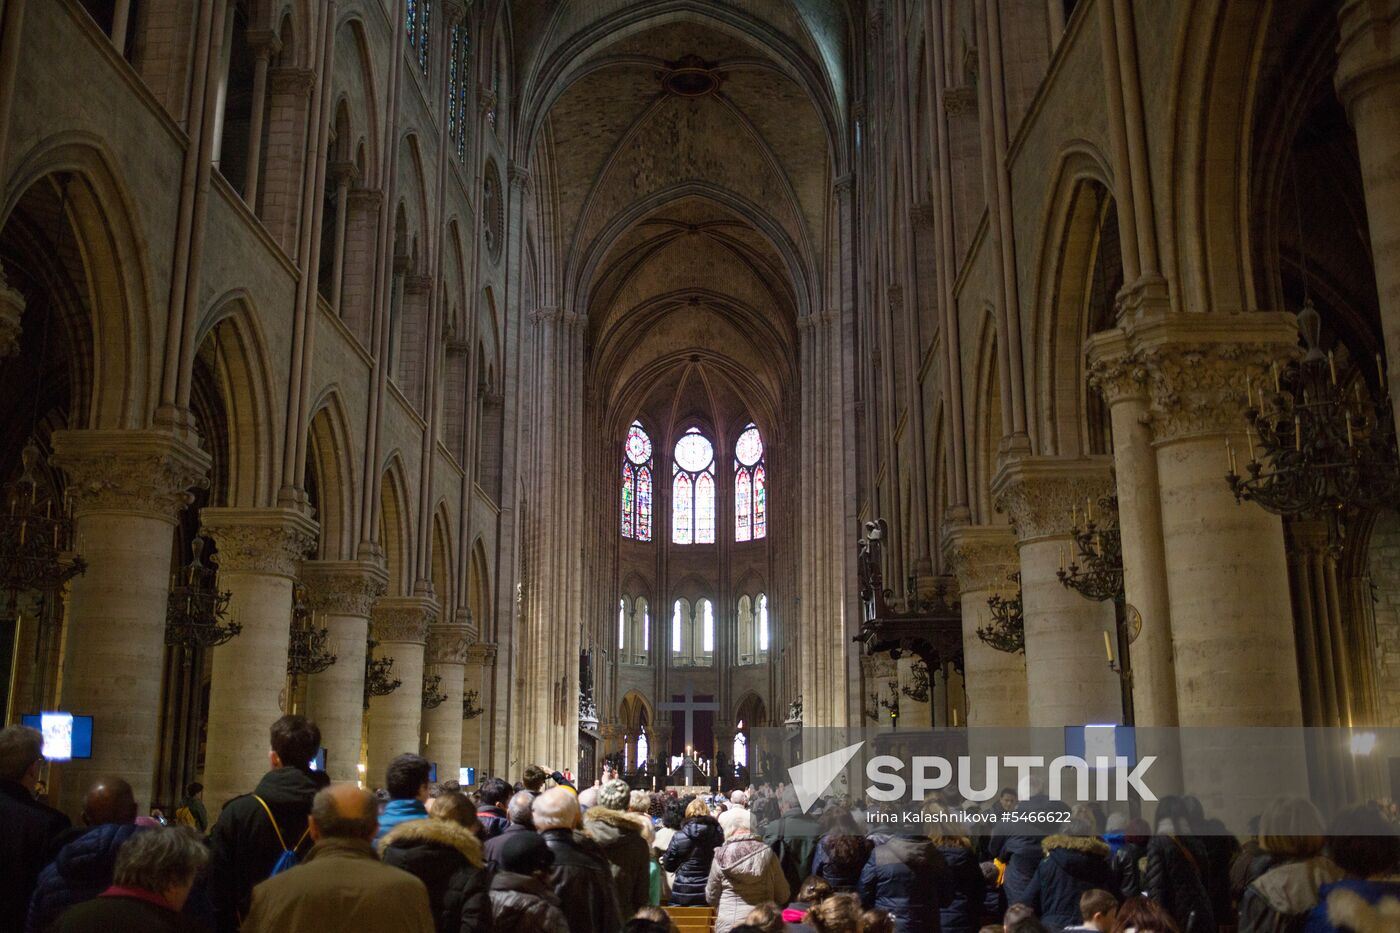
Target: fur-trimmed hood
[
  {"x": 1292, "y": 888},
  {"x": 436, "y": 832},
  {"x": 620, "y": 820},
  {"x": 1371, "y": 906},
  {"x": 1089, "y": 845}
]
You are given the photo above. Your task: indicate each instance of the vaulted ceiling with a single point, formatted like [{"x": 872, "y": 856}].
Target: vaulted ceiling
[{"x": 690, "y": 148}]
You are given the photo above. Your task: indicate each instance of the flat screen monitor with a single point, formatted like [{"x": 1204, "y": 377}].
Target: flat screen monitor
[
  {"x": 65, "y": 736},
  {"x": 432, "y": 772},
  {"x": 319, "y": 762}
]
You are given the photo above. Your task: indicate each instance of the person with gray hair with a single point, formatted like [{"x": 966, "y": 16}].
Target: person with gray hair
[
  {"x": 520, "y": 812},
  {"x": 155, "y": 870},
  {"x": 582, "y": 877},
  {"x": 341, "y": 884},
  {"x": 30, "y": 826}
]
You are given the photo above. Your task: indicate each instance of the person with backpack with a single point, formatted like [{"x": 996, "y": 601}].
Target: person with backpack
[{"x": 265, "y": 832}]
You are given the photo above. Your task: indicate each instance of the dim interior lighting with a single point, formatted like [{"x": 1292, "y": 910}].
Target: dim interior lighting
[{"x": 1363, "y": 743}]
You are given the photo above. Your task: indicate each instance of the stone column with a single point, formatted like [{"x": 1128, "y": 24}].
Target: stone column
[
  {"x": 265, "y": 43},
  {"x": 259, "y": 556},
  {"x": 1122, "y": 380},
  {"x": 400, "y": 625},
  {"x": 289, "y": 110},
  {"x": 343, "y": 593},
  {"x": 1227, "y": 576},
  {"x": 981, "y": 557},
  {"x": 481, "y": 657},
  {"x": 127, "y": 489},
  {"x": 1068, "y": 680},
  {"x": 1368, "y": 83},
  {"x": 442, "y": 725},
  {"x": 344, "y": 174}
]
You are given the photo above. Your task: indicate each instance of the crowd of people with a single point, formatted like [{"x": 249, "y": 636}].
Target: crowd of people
[{"x": 542, "y": 856}]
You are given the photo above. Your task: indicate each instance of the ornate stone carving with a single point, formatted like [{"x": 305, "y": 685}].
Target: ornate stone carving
[
  {"x": 448, "y": 644},
  {"x": 268, "y": 541},
  {"x": 297, "y": 81},
  {"x": 347, "y": 588},
  {"x": 11, "y": 312},
  {"x": 960, "y": 101},
  {"x": 485, "y": 100},
  {"x": 1115, "y": 370},
  {"x": 980, "y": 556},
  {"x": 366, "y": 199},
  {"x": 518, "y": 175},
  {"x": 402, "y": 619},
  {"x": 1038, "y": 492},
  {"x": 483, "y": 652},
  {"x": 141, "y": 472},
  {"x": 843, "y": 185}
]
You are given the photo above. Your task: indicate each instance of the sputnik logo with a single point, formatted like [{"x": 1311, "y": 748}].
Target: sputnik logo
[{"x": 812, "y": 778}]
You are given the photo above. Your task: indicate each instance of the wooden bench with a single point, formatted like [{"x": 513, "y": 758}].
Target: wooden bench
[{"x": 692, "y": 919}]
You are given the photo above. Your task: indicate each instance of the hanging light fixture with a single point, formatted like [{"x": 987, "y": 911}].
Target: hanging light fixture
[
  {"x": 433, "y": 694},
  {"x": 379, "y": 679},
  {"x": 196, "y": 611},
  {"x": 309, "y": 650},
  {"x": 470, "y": 709},
  {"x": 1007, "y": 631},
  {"x": 1095, "y": 570},
  {"x": 919, "y": 690},
  {"x": 36, "y": 539}
]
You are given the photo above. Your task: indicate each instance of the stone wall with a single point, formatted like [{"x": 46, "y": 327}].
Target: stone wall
[{"x": 1385, "y": 574}]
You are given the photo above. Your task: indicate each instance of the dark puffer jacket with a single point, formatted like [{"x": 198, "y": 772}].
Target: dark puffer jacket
[
  {"x": 29, "y": 830},
  {"x": 967, "y": 890},
  {"x": 493, "y": 819},
  {"x": 582, "y": 880},
  {"x": 838, "y": 860},
  {"x": 1172, "y": 878},
  {"x": 524, "y": 904},
  {"x": 689, "y": 855},
  {"x": 907, "y": 878},
  {"x": 1072, "y": 865},
  {"x": 448, "y": 859},
  {"x": 1020, "y": 852},
  {"x": 243, "y": 845},
  {"x": 82, "y": 870},
  {"x": 619, "y": 835}
]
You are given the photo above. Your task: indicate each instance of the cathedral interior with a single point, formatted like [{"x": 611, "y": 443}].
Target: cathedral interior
[{"x": 542, "y": 381}]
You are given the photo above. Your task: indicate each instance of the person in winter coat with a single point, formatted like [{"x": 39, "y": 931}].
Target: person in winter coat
[
  {"x": 153, "y": 876},
  {"x": 491, "y": 804},
  {"x": 582, "y": 876},
  {"x": 82, "y": 868},
  {"x": 522, "y": 820},
  {"x": 841, "y": 851},
  {"x": 1127, "y": 843},
  {"x": 619, "y": 834},
  {"x": 1292, "y": 832},
  {"x": 793, "y": 837},
  {"x": 907, "y": 878},
  {"x": 966, "y": 885},
  {"x": 30, "y": 827},
  {"x": 191, "y": 811},
  {"x": 406, "y": 780},
  {"x": 812, "y": 892},
  {"x": 1018, "y": 851},
  {"x": 253, "y": 830},
  {"x": 1366, "y": 846},
  {"x": 521, "y": 901},
  {"x": 1175, "y": 864},
  {"x": 690, "y": 853},
  {"x": 744, "y": 874},
  {"x": 447, "y": 857},
  {"x": 1074, "y": 862}
]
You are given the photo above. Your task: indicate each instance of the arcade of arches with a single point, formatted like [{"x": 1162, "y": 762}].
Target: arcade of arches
[{"x": 557, "y": 352}]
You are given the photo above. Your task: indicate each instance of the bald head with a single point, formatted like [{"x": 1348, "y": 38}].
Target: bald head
[
  {"x": 520, "y": 809},
  {"x": 109, "y": 800},
  {"x": 343, "y": 811}
]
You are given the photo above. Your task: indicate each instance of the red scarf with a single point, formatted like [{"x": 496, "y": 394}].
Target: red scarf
[{"x": 139, "y": 894}]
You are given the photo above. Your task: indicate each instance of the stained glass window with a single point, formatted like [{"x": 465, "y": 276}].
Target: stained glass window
[
  {"x": 457, "y": 80},
  {"x": 709, "y": 634},
  {"x": 750, "y": 490},
  {"x": 411, "y": 22},
  {"x": 762, "y": 622},
  {"x": 741, "y": 748},
  {"x": 426, "y": 13},
  {"x": 636, "y": 484},
  {"x": 643, "y": 748},
  {"x": 622, "y": 623},
  {"x": 693, "y": 490},
  {"x": 452, "y": 89}
]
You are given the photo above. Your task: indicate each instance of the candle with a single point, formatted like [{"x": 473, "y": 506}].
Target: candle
[
  {"x": 1249, "y": 391},
  {"x": 1297, "y": 432},
  {"x": 1108, "y": 646},
  {"x": 1229, "y": 459},
  {"x": 1249, "y": 436},
  {"x": 1273, "y": 367},
  {"x": 1062, "y": 557},
  {"x": 1349, "y": 440},
  {"x": 1332, "y": 365},
  {"x": 1089, "y": 510}
]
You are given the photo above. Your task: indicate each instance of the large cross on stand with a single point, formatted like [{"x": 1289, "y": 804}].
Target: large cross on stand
[{"x": 690, "y": 706}]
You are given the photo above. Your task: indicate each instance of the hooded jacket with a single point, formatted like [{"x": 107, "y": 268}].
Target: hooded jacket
[
  {"x": 967, "y": 888},
  {"x": 82, "y": 870},
  {"x": 689, "y": 855},
  {"x": 1172, "y": 876},
  {"x": 493, "y": 819},
  {"x": 524, "y": 904},
  {"x": 243, "y": 845},
  {"x": 1280, "y": 899},
  {"x": 493, "y": 846},
  {"x": 619, "y": 835},
  {"x": 1356, "y": 904},
  {"x": 1072, "y": 865},
  {"x": 399, "y": 810},
  {"x": 448, "y": 859},
  {"x": 907, "y": 878},
  {"x": 582, "y": 880},
  {"x": 1019, "y": 852},
  {"x": 743, "y": 874}
]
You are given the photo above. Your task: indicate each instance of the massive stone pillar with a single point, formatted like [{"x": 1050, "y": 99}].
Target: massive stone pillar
[
  {"x": 442, "y": 725},
  {"x": 343, "y": 593},
  {"x": 1368, "y": 83},
  {"x": 982, "y": 557},
  {"x": 259, "y": 556},
  {"x": 1068, "y": 680},
  {"x": 127, "y": 489},
  {"x": 476, "y": 748},
  {"x": 400, "y": 625}
]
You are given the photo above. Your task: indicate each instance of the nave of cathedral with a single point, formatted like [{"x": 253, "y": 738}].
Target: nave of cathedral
[{"x": 525, "y": 381}]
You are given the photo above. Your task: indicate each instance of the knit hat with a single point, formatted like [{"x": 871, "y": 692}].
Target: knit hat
[
  {"x": 525, "y": 853},
  {"x": 614, "y": 795}
]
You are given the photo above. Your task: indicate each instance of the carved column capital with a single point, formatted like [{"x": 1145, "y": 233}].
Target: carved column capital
[
  {"x": 1367, "y": 54},
  {"x": 1115, "y": 369},
  {"x": 265, "y": 541},
  {"x": 483, "y": 652},
  {"x": 347, "y": 588},
  {"x": 402, "y": 619},
  {"x": 148, "y": 473},
  {"x": 448, "y": 644},
  {"x": 518, "y": 175},
  {"x": 344, "y": 172},
  {"x": 960, "y": 101},
  {"x": 981, "y": 557},
  {"x": 264, "y": 43},
  {"x": 1038, "y": 492},
  {"x": 1197, "y": 366},
  {"x": 366, "y": 199},
  {"x": 293, "y": 81}
]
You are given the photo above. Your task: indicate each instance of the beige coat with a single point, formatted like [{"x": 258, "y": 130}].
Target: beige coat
[
  {"x": 744, "y": 874},
  {"x": 341, "y": 886}
]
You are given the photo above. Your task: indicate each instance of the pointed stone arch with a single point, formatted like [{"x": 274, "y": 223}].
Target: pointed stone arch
[
  {"x": 396, "y": 527},
  {"x": 331, "y": 466}
]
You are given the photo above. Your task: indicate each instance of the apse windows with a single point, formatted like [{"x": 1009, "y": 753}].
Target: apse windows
[
  {"x": 634, "y": 630},
  {"x": 692, "y": 633},
  {"x": 750, "y": 487},
  {"x": 752, "y": 629},
  {"x": 636, "y": 484},
  {"x": 418, "y": 15},
  {"x": 643, "y": 750},
  {"x": 693, "y": 490}
]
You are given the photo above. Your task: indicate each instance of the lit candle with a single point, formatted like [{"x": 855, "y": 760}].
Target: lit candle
[
  {"x": 1297, "y": 432},
  {"x": 1073, "y": 515},
  {"x": 1273, "y": 367},
  {"x": 1249, "y": 391},
  {"x": 1108, "y": 646},
  {"x": 1332, "y": 365},
  {"x": 1089, "y": 510},
  {"x": 1249, "y": 436},
  {"x": 1229, "y": 460}
]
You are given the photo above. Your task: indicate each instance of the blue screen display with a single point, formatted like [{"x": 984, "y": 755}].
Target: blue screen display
[{"x": 65, "y": 736}]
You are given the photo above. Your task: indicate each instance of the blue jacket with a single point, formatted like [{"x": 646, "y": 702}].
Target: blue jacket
[
  {"x": 81, "y": 871},
  {"x": 907, "y": 878},
  {"x": 399, "y": 811},
  {"x": 1358, "y": 902},
  {"x": 1072, "y": 865}
]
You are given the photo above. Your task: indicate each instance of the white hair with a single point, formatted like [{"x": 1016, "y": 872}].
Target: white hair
[
  {"x": 556, "y": 808},
  {"x": 739, "y": 799}
]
